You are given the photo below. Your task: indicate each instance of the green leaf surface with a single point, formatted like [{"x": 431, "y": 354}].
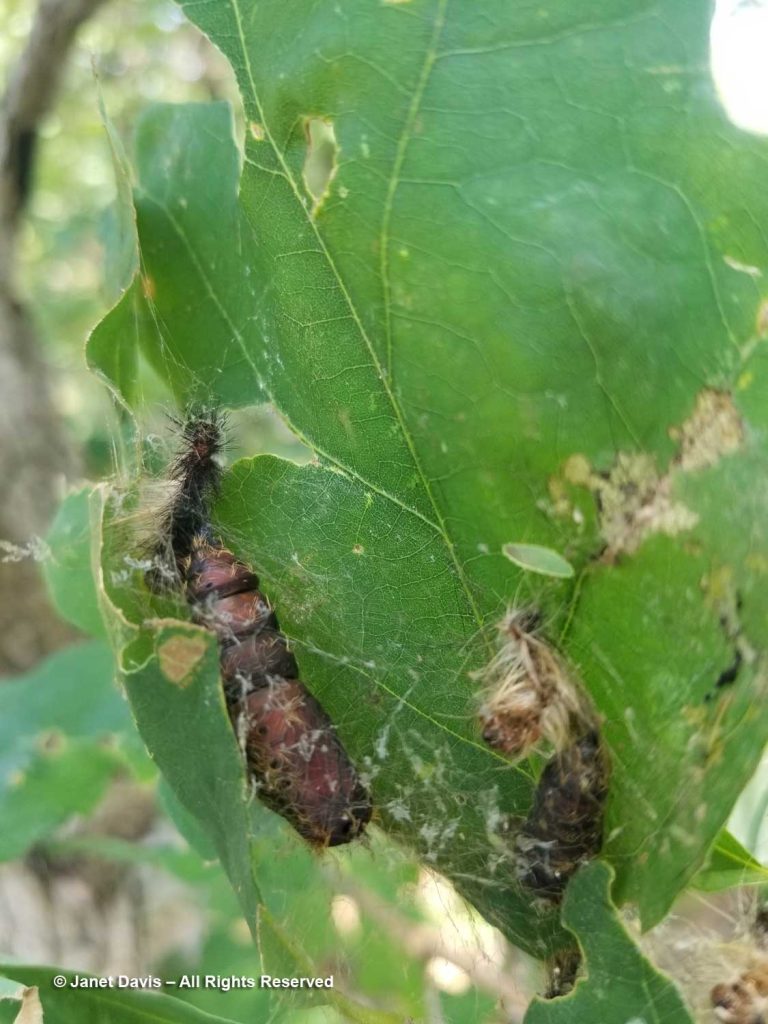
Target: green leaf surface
[
  {"x": 620, "y": 986},
  {"x": 114, "y": 344},
  {"x": 68, "y": 572},
  {"x": 170, "y": 673},
  {"x": 178, "y": 705},
  {"x": 527, "y": 205},
  {"x": 54, "y": 783},
  {"x": 73, "y": 692},
  {"x": 187, "y": 823},
  {"x": 103, "y": 1005},
  {"x": 122, "y": 249},
  {"x": 8, "y": 989},
  {"x": 729, "y": 865},
  {"x": 9, "y": 1009}
]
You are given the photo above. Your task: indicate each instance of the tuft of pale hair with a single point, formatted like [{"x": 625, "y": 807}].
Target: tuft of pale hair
[
  {"x": 528, "y": 694},
  {"x": 745, "y": 1000}
]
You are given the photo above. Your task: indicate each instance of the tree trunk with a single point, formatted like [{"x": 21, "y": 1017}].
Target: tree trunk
[{"x": 35, "y": 459}]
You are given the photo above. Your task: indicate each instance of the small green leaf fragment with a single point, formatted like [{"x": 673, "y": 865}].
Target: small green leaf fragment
[
  {"x": 535, "y": 558},
  {"x": 68, "y": 571},
  {"x": 729, "y": 865},
  {"x": 620, "y": 984}
]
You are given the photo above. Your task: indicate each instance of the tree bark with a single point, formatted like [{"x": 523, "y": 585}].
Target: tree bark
[{"x": 36, "y": 457}]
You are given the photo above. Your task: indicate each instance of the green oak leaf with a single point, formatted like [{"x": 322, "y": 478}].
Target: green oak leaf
[
  {"x": 620, "y": 986},
  {"x": 68, "y": 571},
  {"x": 489, "y": 311},
  {"x": 53, "y": 724}
]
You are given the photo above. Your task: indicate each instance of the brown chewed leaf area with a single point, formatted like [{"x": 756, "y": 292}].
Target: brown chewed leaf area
[
  {"x": 179, "y": 656},
  {"x": 715, "y": 429},
  {"x": 635, "y": 502},
  {"x": 634, "y": 499}
]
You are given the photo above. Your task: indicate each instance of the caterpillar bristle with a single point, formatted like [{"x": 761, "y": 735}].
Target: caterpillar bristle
[{"x": 194, "y": 476}]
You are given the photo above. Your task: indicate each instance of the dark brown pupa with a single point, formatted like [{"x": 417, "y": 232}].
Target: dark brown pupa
[
  {"x": 530, "y": 695},
  {"x": 295, "y": 758},
  {"x": 564, "y": 827}
]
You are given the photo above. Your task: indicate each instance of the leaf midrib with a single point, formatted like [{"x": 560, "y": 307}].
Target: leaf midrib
[
  {"x": 238, "y": 336},
  {"x": 381, "y": 372},
  {"x": 341, "y": 467}
]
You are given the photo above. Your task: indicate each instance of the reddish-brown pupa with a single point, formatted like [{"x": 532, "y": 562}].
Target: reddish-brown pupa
[
  {"x": 300, "y": 767},
  {"x": 295, "y": 757},
  {"x": 296, "y": 760}
]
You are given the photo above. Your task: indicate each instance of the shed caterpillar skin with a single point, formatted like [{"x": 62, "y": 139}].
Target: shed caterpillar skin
[
  {"x": 744, "y": 1001},
  {"x": 295, "y": 758},
  {"x": 528, "y": 694}
]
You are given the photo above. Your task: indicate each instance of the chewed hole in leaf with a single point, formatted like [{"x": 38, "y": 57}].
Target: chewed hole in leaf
[{"x": 322, "y": 159}]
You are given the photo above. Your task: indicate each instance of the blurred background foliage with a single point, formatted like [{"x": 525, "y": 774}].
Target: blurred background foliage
[{"x": 134, "y": 53}]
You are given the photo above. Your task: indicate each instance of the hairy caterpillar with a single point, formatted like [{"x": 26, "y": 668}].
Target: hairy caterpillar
[
  {"x": 530, "y": 696},
  {"x": 294, "y": 756}
]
